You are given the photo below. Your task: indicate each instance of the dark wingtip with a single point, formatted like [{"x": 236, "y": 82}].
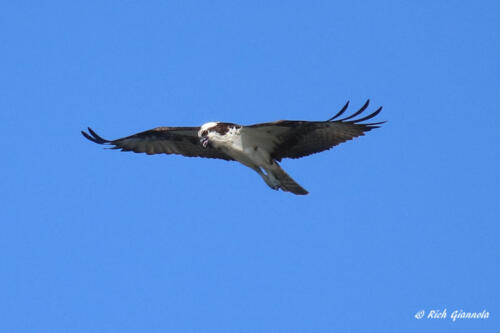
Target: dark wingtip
[
  {"x": 370, "y": 116},
  {"x": 88, "y": 137},
  {"x": 377, "y": 123},
  {"x": 94, "y": 137},
  {"x": 340, "y": 112},
  {"x": 363, "y": 108},
  {"x": 357, "y": 113}
]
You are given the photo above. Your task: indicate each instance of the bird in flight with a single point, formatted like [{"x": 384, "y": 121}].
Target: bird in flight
[{"x": 259, "y": 147}]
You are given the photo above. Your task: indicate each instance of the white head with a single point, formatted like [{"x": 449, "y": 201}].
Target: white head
[
  {"x": 217, "y": 133},
  {"x": 204, "y": 132}
]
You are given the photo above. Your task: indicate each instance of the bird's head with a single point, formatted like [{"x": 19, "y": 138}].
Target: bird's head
[{"x": 205, "y": 132}]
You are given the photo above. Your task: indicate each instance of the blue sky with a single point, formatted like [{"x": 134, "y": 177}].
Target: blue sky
[{"x": 401, "y": 220}]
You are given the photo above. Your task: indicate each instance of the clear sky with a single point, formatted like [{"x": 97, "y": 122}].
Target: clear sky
[{"x": 403, "y": 219}]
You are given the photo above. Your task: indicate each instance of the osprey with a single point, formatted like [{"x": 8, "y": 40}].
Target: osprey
[{"x": 259, "y": 147}]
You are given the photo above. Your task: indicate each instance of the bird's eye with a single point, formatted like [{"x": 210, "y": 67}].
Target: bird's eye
[{"x": 204, "y": 133}]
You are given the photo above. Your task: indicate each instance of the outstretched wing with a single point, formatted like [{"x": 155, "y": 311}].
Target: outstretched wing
[
  {"x": 295, "y": 139},
  {"x": 162, "y": 140}
]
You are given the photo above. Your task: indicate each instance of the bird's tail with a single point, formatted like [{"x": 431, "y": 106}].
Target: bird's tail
[{"x": 287, "y": 184}]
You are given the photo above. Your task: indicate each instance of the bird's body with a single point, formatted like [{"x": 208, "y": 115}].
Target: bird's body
[{"x": 259, "y": 147}]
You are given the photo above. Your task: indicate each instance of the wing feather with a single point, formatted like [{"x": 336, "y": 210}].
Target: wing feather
[
  {"x": 295, "y": 139},
  {"x": 162, "y": 140}
]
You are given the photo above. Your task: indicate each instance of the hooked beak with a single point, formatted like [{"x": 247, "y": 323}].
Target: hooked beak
[{"x": 204, "y": 142}]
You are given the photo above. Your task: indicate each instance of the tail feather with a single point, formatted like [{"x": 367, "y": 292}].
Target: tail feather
[{"x": 287, "y": 184}]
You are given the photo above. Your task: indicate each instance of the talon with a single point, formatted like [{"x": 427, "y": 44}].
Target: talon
[{"x": 204, "y": 142}]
